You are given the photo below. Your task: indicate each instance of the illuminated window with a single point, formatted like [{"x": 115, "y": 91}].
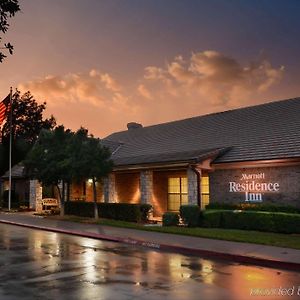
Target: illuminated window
[
  {"x": 204, "y": 190},
  {"x": 177, "y": 193}
]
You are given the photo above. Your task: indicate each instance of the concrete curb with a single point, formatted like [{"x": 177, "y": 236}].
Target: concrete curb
[{"x": 171, "y": 248}]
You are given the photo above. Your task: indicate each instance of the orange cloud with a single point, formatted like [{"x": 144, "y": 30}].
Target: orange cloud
[
  {"x": 93, "y": 88},
  {"x": 212, "y": 77},
  {"x": 143, "y": 91},
  {"x": 206, "y": 82}
]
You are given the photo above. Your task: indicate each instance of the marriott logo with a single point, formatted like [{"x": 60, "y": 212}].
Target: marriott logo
[{"x": 253, "y": 186}]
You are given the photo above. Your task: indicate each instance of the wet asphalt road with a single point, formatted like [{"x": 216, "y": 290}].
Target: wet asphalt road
[{"x": 43, "y": 265}]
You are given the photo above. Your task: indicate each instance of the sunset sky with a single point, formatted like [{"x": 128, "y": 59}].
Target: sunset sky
[{"x": 101, "y": 64}]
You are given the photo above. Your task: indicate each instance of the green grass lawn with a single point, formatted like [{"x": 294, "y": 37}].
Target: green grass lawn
[{"x": 255, "y": 237}]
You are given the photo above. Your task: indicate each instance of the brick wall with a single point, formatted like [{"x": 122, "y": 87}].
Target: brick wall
[
  {"x": 89, "y": 192},
  {"x": 288, "y": 179},
  {"x": 128, "y": 187},
  {"x": 77, "y": 191}
]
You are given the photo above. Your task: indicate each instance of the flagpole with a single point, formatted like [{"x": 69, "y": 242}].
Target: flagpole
[{"x": 10, "y": 149}]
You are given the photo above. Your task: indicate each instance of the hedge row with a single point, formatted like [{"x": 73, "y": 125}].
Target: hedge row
[
  {"x": 16, "y": 203},
  {"x": 14, "y": 199},
  {"x": 192, "y": 216},
  {"x": 251, "y": 220},
  {"x": 254, "y": 207},
  {"x": 120, "y": 211},
  {"x": 116, "y": 211}
]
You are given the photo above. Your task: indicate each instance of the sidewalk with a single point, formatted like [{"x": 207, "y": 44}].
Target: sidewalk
[{"x": 239, "y": 252}]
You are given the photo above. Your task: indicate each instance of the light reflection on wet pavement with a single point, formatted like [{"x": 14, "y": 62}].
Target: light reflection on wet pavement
[{"x": 43, "y": 265}]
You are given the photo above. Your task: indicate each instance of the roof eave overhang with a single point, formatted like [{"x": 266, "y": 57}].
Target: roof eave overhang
[
  {"x": 210, "y": 156},
  {"x": 157, "y": 165},
  {"x": 257, "y": 163},
  {"x": 170, "y": 164}
]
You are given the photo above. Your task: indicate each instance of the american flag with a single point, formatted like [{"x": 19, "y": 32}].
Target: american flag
[{"x": 4, "y": 108}]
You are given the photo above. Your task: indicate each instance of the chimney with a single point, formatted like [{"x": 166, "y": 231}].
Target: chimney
[{"x": 133, "y": 125}]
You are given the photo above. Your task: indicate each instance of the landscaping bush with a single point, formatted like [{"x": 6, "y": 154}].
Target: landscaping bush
[
  {"x": 146, "y": 210},
  {"x": 120, "y": 211},
  {"x": 269, "y": 208},
  {"x": 14, "y": 199},
  {"x": 254, "y": 207},
  {"x": 221, "y": 206},
  {"x": 79, "y": 208},
  {"x": 286, "y": 223},
  {"x": 211, "y": 218},
  {"x": 252, "y": 220},
  {"x": 247, "y": 220},
  {"x": 116, "y": 211},
  {"x": 107, "y": 211},
  {"x": 170, "y": 219},
  {"x": 190, "y": 215}
]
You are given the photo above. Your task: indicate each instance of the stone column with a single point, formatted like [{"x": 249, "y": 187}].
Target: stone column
[
  {"x": 109, "y": 188},
  {"x": 193, "y": 187},
  {"x": 35, "y": 195},
  {"x": 146, "y": 186}
]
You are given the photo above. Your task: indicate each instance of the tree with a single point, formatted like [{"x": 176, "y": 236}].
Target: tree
[
  {"x": 89, "y": 159},
  {"x": 27, "y": 118},
  {"x": 59, "y": 155},
  {"x": 8, "y": 8},
  {"x": 49, "y": 159},
  {"x": 27, "y": 122}
]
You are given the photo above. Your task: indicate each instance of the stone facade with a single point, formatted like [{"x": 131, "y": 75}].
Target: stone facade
[
  {"x": 146, "y": 186},
  {"x": 109, "y": 188},
  {"x": 286, "y": 181},
  {"x": 193, "y": 187},
  {"x": 35, "y": 195}
]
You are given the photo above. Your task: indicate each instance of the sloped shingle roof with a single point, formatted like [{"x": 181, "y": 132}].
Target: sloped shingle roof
[
  {"x": 266, "y": 131},
  {"x": 17, "y": 171}
]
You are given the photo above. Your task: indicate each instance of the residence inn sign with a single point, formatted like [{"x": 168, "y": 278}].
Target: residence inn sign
[
  {"x": 253, "y": 186},
  {"x": 276, "y": 184}
]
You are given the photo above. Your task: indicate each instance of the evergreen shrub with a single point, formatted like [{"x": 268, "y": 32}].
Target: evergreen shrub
[{"x": 170, "y": 219}]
